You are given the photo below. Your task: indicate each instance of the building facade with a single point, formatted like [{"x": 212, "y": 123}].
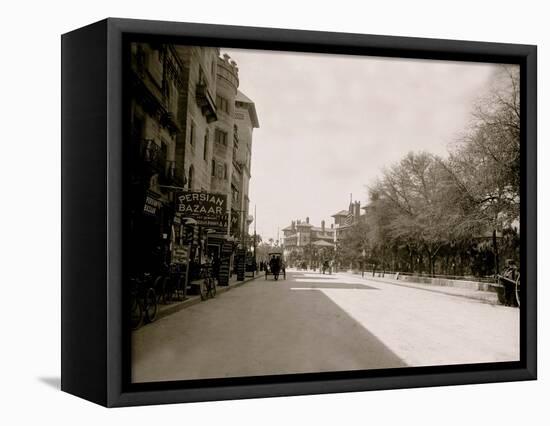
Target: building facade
[
  {"x": 185, "y": 138},
  {"x": 156, "y": 82},
  {"x": 246, "y": 120},
  {"x": 197, "y": 114},
  {"x": 304, "y": 242},
  {"x": 344, "y": 220}
]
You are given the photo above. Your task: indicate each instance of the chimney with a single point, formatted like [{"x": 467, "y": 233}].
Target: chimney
[
  {"x": 293, "y": 225},
  {"x": 307, "y": 220},
  {"x": 323, "y": 226}
]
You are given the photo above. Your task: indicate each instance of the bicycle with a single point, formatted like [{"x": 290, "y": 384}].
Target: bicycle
[
  {"x": 164, "y": 285},
  {"x": 172, "y": 285},
  {"x": 143, "y": 301},
  {"x": 517, "y": 285},
  {"x": 208, "y": 283},
  {"x": 505, "y": 288}
]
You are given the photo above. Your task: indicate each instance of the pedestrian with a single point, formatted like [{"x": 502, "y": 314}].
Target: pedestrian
[{"x": 510, "y": 273}]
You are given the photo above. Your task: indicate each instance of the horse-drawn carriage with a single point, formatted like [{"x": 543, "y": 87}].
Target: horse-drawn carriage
[{"x": 275, "y": 265}]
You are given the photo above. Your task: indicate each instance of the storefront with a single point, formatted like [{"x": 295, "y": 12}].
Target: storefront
[
  {"x": 207, "y": 218},
  {"x": 150, "y": 234}
]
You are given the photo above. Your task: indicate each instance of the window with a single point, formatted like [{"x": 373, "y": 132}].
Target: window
[
  {"x": 192, "y": 135},
  {"x": 234, "y": 195},
  {"x": 171, "y": 93},
  {"x": 205, "y": 148},
  {"x": 219, "y": 171},
  {"x": 191, "y": 176},
  {"x": 220, "y": 137},
  {"x": 163, "y": 150},
  {"x": 137, "y": 128},
  {"x": 155, "y": 66},
  {"x": 213, "y": 167},
  {"x": 222, "y": 104},
  {"x": 225, "y": 171},
  {"x": 202, "y": 80},
  {"x": 141, "y": 57}
]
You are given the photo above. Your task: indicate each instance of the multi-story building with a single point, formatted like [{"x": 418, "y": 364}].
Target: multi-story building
[
  {"x": 246, "y": 120},
  {"x": 197, "y": 114},
  {"x": 191, "y": 130},
  {"x": 344, "y": 220},
  {"x": 156, "y": 82},
  {"x": 223, "y": 179},
  {"x": 302, "y": 240}
]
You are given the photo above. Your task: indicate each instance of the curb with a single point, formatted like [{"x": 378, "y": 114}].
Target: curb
[
  {"x": 436, "y": 290},
  {"x": 195, "y": 299}
]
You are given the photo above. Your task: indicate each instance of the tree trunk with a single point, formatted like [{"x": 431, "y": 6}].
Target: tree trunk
[{"x": 495, "y": 251}]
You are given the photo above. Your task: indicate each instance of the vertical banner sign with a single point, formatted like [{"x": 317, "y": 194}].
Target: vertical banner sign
[
  {"x": 152, "y": 204},
  {"x": 240, "y": 260},
  {"x": 227, "y": 249}
]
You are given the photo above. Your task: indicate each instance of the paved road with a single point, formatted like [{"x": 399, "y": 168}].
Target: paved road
[{"x": 312, "y": 322}]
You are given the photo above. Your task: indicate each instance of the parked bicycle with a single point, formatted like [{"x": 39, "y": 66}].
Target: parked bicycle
[
  {"x": 208, "y": 282},
  {"x": 173, "y": 284},
  {"x": 143, "y": 300}
]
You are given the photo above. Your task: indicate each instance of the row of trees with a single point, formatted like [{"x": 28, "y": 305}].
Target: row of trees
[{"x": 457, "y": 215}]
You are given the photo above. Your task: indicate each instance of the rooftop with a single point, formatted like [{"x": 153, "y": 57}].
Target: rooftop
[
  {"x": 327, "y": 229},
  {"x": 341, "y": 213},
  {"x": 241, "y": 97}
]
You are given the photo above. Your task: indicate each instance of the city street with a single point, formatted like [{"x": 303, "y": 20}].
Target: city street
[{"x": 312, "y": 322}]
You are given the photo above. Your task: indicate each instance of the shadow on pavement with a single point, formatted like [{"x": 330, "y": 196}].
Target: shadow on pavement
[{"x": 263, "y": 328}]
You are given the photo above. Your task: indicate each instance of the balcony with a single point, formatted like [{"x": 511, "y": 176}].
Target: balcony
[
  {"x": 169, "y": 120},
  {"x": 172, "y": 175},
  {"x": 153, "y": 156},
  {"x": 206, "y": 102}
]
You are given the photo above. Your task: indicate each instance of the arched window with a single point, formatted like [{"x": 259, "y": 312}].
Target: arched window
[{"x": 191, "y": 176}]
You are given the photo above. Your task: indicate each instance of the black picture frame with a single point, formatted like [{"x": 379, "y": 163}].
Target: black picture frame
[{"x": 94, "y": 343}]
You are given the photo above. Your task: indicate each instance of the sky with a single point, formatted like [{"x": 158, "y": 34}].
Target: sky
[{"x": 329, "y": 125}]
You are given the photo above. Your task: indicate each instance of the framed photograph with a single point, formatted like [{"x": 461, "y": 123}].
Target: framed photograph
[{"x": 256, "y": 212}]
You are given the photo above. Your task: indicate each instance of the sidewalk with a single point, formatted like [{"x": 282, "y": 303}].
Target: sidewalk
[
  {"x": 165, "y": 310},
  {"x": 483, "y": 296}
]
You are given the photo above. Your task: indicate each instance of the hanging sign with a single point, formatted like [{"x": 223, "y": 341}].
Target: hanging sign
[
  {"x": 152, "y": 205},
  {"x": 208, "y": 209}
]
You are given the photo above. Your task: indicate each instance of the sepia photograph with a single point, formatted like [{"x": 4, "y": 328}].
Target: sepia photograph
[{"x": 291, "y": 212}]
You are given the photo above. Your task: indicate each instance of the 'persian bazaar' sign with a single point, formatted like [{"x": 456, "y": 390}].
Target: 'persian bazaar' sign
[
  {"x": 204, "y": 207},
  {"x": 152, "y": 204}
]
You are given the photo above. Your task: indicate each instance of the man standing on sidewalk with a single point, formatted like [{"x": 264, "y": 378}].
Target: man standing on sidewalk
[{"x": 509, "y": 283}]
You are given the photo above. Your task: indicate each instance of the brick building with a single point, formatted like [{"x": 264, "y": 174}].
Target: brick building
[
  {"x": 302, "y": 240},
  {"x": 344, "y": 220}
]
